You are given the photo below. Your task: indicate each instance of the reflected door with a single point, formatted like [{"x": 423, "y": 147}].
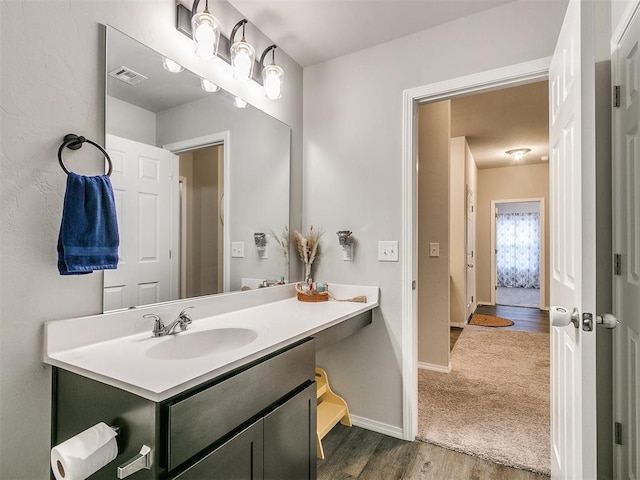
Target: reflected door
[{"x": 142, "y": 186}]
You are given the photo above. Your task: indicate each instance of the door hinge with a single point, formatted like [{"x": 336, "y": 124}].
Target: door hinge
[
  {"x": 618, "y": 433},
  {"x": 471, "y": 298},
  {"x": 471, "y": 253},
  {"x": 413, "y": 285},
  {"x": 616, "y": 264},
  {"x": 169, "y": 254},
  {"x": 616, "y": 95}
]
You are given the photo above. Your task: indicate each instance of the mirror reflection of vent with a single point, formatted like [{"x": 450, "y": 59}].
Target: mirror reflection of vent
[{"x": 127, "y": 75}]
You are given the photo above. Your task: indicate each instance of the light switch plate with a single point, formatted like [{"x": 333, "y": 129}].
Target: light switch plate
[
  {"x": 434, "y": 249},
  {"x": 388, "y": 251},
  {"x": 237, "y": 249}
]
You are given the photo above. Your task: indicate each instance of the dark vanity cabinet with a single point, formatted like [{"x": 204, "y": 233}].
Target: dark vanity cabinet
[{"x": 255, "y": 422}]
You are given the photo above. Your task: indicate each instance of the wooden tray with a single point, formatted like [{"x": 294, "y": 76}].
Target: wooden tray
[{"x": 313, "y": 297}]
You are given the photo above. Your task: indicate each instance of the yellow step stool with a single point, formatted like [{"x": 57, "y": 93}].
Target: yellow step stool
[{"x": 331, "y": 409}]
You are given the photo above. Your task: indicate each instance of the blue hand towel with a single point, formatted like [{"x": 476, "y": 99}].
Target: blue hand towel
[{"x": 88, "y": 237}]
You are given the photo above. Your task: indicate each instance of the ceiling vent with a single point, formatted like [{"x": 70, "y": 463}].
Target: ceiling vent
[{"x": 127, "y": 75}]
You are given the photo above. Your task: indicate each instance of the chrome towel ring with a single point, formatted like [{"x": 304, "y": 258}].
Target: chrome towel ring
[{"x": 74, "y": 142}]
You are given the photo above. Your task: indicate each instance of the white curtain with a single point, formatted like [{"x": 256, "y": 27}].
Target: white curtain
[{"x": 518, "y": 245}]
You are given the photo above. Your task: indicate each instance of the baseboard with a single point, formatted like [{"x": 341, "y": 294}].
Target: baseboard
[
  {"x": 457, "y": 324},
  {"x": 485, "y": 304},
  {"x": 435, "y": 368},
  {"x": 376, "y": 426}
]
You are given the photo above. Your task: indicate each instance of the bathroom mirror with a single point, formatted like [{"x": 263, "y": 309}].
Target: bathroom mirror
[{"x": 195, "y": 179}]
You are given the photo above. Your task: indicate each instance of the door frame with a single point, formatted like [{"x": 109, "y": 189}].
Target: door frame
[
  {"x": 513, "y": 75},
  {"x": 219, "y": 138},
  {"x": 543, "y": 248}
]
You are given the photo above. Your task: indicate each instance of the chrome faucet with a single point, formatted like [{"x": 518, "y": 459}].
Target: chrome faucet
[{"x": 160, "y": 330}]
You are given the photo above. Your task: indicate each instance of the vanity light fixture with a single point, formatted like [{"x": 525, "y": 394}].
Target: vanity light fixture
[
  {"x": 240, "y": 103},
  {"x": 272, "y": 75},
  {"x": 205, "y": 29},
  {"x": 171, "y": 66},
  {"x": 208, "y": 86},
  {"x": 518, "y": 153},
  {"x": 242, "y": 54}
]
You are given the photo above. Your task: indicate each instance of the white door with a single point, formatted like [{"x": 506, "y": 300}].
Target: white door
[
  {"x": 572, "y": 192},
  {"x": 471, "y": 261},
  {"x": 626, "y": 182},
  {"x": 142, "y": 187}
]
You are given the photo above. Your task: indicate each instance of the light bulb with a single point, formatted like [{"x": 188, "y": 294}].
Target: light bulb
[
  {"x": 272, "y": 77},
  {"x": 206, "y": 34},
  {"x": 240, "y": 103},
  {"x": 242, "y": 65},
  {"x": 208, "y": 86},
  {"x": 171, "y": 66}
]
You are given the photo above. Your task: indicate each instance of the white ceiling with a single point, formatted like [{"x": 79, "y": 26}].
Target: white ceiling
[{"x": 312, "y": 31}]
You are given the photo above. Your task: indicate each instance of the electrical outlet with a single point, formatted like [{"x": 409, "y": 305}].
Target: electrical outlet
[
  {"x": 237, "y": 249},
  {"x": 388, "y": 251},
  {"x": 434, "y": 249}
]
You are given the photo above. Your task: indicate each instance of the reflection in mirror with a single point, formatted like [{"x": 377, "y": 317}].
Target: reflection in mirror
[{"x": 195, "y": 178}]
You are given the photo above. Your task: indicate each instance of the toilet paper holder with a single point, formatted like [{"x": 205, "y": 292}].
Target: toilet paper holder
[{"x": 141, "y": 461}]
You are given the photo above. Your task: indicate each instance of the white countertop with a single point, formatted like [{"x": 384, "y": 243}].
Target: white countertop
[{"x": 88, "y": 346}]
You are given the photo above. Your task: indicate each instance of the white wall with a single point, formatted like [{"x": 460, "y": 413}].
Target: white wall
[
  {"x": 258, "y": 176},
  {"x": 53, "y": 83},
  {"x": 130, "y": 121},
  {"x": 352, "y": 170}
]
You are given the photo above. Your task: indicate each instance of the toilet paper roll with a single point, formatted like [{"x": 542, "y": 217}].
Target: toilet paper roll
[{"x": 85, "y": 453}]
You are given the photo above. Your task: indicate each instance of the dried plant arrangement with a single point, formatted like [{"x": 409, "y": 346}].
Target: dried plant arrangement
[
  {"x": 283, "y": 241},
  {"x": 308, "y": 246}
]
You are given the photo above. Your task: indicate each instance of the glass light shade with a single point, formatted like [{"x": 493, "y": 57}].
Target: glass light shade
[
  {"x": 171, "y": 66},
  {"x": 518, "y": 153},
  {"x": 208, "y": 86},
  {"x": 240, "y": 103},
  {"x": 243, "y": 56},
  {"x": 272, "y": 77},
  {"x": 205, "y": 29}
]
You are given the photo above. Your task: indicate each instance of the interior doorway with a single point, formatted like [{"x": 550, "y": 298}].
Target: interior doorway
[{"x": 518, "y": 252}]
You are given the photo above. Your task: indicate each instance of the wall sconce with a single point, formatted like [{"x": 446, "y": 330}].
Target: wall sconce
[
  {"x": 272, "y": 75},
  {"x": 242, "y": 54},
  {"x": 518, "y": 153},
  {"x": 346, "y": 242},
  {"x": 206, "y": 31},
  {"x": 261, "y": 244}
]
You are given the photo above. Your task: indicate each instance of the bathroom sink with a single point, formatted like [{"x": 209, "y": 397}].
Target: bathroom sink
[{"x": 187, "y": 345}]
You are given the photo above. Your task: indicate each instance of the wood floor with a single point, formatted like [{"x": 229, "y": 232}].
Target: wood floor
[{"x": 356, "y": 453}]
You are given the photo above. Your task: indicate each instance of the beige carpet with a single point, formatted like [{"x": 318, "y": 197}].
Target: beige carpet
[{"x": 495, "y": 402}]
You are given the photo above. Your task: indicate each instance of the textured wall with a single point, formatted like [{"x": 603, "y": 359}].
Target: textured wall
[
  {"x": 51, "y": 84},
  {"x": 352, "y": 169}
]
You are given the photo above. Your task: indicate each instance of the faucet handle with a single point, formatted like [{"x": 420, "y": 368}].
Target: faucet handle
[
  {"x": 158, "y": 326},
  {"x": 184, "y": 316}
]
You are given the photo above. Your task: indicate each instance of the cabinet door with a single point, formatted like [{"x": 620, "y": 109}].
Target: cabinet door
[
  {"x": 238, "y": 459},
  {"x": 290, "y": 438}
]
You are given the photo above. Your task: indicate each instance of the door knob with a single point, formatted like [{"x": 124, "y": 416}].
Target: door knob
[
  {"x": 560, "y": 317},
  {"x": 607, "y": 320}
]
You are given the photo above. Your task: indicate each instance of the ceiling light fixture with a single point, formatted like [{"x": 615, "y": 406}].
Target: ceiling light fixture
[
  {"x": 205, "y": 30},
  {"x": 208, "y": 86},
  {"x": 518, "y": 153},
  {"x": 242, "y": 54},
  {"x": 272, "y": 75},
  {"x": 171, "y": 66}
]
